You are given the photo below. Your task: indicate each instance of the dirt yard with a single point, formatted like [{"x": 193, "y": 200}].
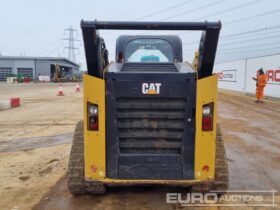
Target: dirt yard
[
  {"x": 31, "y": 160},
  {"x": 35, "y": 145}
]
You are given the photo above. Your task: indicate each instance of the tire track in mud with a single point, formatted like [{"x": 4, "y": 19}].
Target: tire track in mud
[
  {"x": 251, "y": 133},
  {"x": 34, "y": 142},
  {"x": 244, "y": 103},
  {"x": 243, "y": 164}
]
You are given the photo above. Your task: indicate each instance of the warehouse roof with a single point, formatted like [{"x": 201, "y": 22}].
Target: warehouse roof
[{"x": 37, "y": 58}]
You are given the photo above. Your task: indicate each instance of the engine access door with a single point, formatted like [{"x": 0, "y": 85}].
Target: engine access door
[{"x": 150, "y": 125}]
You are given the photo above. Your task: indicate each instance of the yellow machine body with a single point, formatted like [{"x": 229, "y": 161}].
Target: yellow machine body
[{"x": 95, "y": 141}]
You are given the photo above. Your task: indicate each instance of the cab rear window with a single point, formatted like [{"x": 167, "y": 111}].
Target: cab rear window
[{"x": 149, "y": 51}]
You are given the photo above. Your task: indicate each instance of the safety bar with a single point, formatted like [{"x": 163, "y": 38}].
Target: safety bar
[
  {"x": 132, "y": 25},
  {"x": 207, "y": 47}
]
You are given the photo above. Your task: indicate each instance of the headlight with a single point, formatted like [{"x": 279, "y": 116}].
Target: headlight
[
  {"x": 93, "y": 110},
  {"x": 206, "y": 110}
]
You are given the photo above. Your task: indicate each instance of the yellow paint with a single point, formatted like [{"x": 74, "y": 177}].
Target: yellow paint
[
  {"x": 140, "y": 181},
  {"x": 94, "y": 141},
  {"x": 95, "y": 147},
  {"x": 152, "y": 92},
  {"x": 205, "y": 142}
]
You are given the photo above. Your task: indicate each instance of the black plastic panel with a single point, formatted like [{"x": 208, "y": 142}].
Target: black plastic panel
[
  {"x": 150, "y": 136},
  {"x": 149, "y": 67},
  {"x": 150, "y": 167}
]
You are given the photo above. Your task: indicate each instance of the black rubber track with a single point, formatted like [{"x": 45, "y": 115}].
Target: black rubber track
[{"x": 76, "y": 181}]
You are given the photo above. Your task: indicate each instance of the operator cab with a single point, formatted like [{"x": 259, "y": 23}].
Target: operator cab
[
  {"x": 154, "y": 49},
  {"x": 149, "y": 54}
]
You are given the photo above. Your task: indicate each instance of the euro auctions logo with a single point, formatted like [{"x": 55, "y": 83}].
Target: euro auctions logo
[
  {"x": 234, "y": 198},
  {"x": 192, "y": 198},
  {"x": 151, "y": 88}
]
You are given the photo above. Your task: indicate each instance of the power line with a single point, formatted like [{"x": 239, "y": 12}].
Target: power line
[
  {"x": 52, "y": 49},
  {"x": 246, "y": 47},
  {"x": 220, "y": 46},
  {"x": 141, "y": 8},
  {"x": 258, "y": 32},
  {"x": 227, "y": 10},
  {"x": 238, "y": 48},
  {"x": 235, "y": 35},
  {"x": 252, "y": 40},
  {"x": 55, "y": 50},
  {"x": 250, "y": 36},
  {"x": 265, "y": 29},
  {"x": 251, "y": 50},
  {"x": 189, "y": 11},
  {"x": 71, "y": 47},
  {"x": 245, "y": 19},
  {"x": 166, "y": 9},
  {"x": 159, "y": 12},
  {"x": 252, "y": 17},
  {"x": 241, "y": 51},
  {"x": 196, "y": 9},
  {"x": 230, "y": 9},
  {"x": 44, "y": 52},
  {"x": 245, "y": 36},
  {"x": 224, "y": 11},
  {"x": 243, "y": 41}
]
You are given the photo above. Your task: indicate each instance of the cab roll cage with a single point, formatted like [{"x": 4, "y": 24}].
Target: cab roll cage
[{"x": 97, "y": 55}]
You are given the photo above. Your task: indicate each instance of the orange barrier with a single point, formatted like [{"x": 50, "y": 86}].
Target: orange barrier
[
  {"x": 60, "y": 91},
  {"x": 77, "y": 88}
]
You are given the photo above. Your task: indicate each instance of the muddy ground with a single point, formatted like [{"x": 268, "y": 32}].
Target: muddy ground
[
  {"x": 35, "y": 145},
  {"x": 35, "y": 141}
]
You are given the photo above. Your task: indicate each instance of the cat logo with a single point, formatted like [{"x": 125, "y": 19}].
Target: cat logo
[{"x": 151, "y": 88}]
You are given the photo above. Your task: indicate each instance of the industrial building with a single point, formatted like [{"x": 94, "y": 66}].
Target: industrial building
[{"x": 34, "y": 66}]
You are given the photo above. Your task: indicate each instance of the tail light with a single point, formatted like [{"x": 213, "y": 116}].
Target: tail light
[
  {"x": 92, "y": 117},
  {"x": 207, "y": 117}
]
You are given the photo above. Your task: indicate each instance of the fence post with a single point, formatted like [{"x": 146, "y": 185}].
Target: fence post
[{"x": 245, "y": 79}]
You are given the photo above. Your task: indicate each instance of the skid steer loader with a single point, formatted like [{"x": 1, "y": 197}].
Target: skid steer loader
[{"x": 149, "y": 117}]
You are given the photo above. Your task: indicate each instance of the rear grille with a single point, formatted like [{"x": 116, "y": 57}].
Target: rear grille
[
  {"x": 150, "y": 125},
  {"x": 158, "y": 67}
]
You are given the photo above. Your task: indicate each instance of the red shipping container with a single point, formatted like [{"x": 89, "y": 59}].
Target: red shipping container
[{"x": 15, "y": 102}]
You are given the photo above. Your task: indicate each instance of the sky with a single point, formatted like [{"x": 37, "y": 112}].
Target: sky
[{"x": 250, "y": 28}]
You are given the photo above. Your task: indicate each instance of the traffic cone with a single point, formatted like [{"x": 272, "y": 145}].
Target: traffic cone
[
  {"x": 77, "y": 88},
  {"x": 60, "y": 91}
]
